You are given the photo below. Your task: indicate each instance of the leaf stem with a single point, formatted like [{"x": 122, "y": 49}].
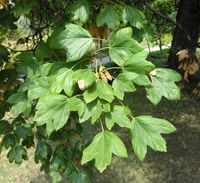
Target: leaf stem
[
  {"x": 111, "y": 68},
  {"x": 99, "y": 39},
  {"x": 132, "y": 117},
  {"x": 77, "y": 95},
  {"x": 78, "y": 63},
  {"x": 96, "y": 65},
  {"x": 100, "y": 49},
  {"x": 102, "y": 125},
  {"x": 121, "y": 103}
]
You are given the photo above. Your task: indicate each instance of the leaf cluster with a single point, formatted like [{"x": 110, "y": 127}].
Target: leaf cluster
[{"x": 65, "y": 87}]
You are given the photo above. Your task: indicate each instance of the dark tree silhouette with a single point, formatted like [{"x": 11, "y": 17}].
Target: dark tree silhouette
[{"x": 187, "y": 29}]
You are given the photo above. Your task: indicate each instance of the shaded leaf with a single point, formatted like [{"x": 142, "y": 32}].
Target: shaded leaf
[
  {"x": 20, "y": 103},
  {"x": 121, "y": 84},
  {"x": 29, "y": 64},
  {"x": 9, "y": 140},
  {"x": 99, "y": 89},
  {"x": 122, "y": 46},
  {"x": 119, "y": 116},
  {"x": 85, "y": 75},
  {"x": 4, "y": 127},
  {"x": 43, "y": 50},
  {"x": 133, "y": 16},
  {"x": 17, "y": 154},
  {"x": 63, "y": 80},
  {"x": 109, "y": 16},
  {"x": 23, "y": 132},
  {"x": 93, "y": 110},
  {"x": 3, "y": 54},
  {"x": 138, "y": 64},
  {"x": 80, "y": 10},
  {"x": 24, "y": 7}
]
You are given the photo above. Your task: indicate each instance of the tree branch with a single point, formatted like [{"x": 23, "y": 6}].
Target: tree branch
[{"x": 166, "y": 17}]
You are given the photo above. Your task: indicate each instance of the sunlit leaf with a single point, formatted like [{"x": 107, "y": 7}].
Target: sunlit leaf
[
  {"x": 146, "y": 131},
  {"x": 76, "y": 40},
  {"x": 162, "y": 84},
  {"x": 101, "y": 149},
  {"x": 52, "y": 107}
]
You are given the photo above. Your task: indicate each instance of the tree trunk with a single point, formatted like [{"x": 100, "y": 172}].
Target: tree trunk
[{"x": 187, "y": 30}]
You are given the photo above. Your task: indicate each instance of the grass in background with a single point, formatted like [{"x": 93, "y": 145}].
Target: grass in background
[{"x": 158, "y": 58}]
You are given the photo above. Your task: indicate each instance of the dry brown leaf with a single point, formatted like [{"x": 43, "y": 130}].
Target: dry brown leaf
[
  {"x": 81, "y": 84},
  {"x": 3, "y": 4},
  {"x": 181, "y": 85},
  {"x": 183, "y": 54},
  {"x": 108, "y": 76},
  {"x": 153, "y": 73},
  {"x": 185, "y": 77},
  {"x": 93, "y": 30},
  {"x": 180, "y": 66},
  {"x": 188, "y": 62},
  {"x": 103, "y": 77},
  {"x": 185, "y": 66},
  {"x": 193, "y": 68}
]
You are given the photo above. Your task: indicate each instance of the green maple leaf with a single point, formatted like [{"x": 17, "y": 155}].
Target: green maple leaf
[
  {"x": 163, "y": 84},
  {"x": 119, "y": 116},
  {"x": 137, "y": 63},
  {"x": 146, "y": 131},
  {"x": 52, "y": 107},
  {"x": 63, "y": 81},
  {"x": 121, "y": 85},
  {"x": 80, "y": 10},
  {"x": 75, "y": 39},
  {"x": 101, "y": 149},
  {"x": 108, "y": 16},
  {"x": 122, "y": 46}
]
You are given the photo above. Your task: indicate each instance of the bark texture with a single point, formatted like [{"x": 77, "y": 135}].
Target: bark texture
[{"x": 187, "y": 30}]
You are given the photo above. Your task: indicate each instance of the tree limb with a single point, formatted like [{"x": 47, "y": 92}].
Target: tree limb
[{"x": 158, "y": 13}]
